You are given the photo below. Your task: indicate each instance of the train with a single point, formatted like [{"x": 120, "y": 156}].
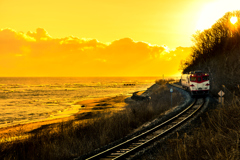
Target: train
[{"x": 197, "y": 82}]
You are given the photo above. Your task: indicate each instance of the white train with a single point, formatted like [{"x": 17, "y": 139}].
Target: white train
[{"x": 197, "y": 82}]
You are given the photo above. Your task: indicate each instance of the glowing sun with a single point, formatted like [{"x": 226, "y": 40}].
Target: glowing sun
[
  {"x": 234, "y": 20},
  {"x": 214, "y": 10}
]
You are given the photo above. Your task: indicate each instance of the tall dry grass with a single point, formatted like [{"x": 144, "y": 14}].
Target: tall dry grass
[
  {"x": 216, "y": 137},
  {"x": 69, "y": 140}
]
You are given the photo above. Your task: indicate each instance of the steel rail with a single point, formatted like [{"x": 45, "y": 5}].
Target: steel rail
[
  {"x": 138, "y": 137},
  {"x": 148, "y": 142}
]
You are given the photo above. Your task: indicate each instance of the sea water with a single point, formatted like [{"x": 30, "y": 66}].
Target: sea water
[{"x": 29, "y": 99}]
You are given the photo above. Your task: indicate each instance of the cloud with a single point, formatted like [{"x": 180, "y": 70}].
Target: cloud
[
  {"x": 12, "y": 42},
  {"x": 40, "y": 34},
  {"x": 39, "y": 54},
  {"x": 8, "y": 35}
]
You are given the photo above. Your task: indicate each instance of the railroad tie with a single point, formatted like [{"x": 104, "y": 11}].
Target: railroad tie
[
  {"x": 115, "y": 154},
  {"x": 158, "y": 132}
]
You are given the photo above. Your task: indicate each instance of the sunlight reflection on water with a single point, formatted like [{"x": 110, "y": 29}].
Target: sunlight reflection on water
[{"x": 24, "y": 100}]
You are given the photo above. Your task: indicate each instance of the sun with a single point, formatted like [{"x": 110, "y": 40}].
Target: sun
[
  {"x": 234, "y": 20},
  {"x": 210, "y": 13}
]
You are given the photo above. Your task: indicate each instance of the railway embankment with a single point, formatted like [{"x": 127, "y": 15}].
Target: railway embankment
[
  {"x": 204, "y": 137},
  {"x": 146, "y": 126},
  {"x": 163, "y": 143},
  {"x": 181, "y": 131}
]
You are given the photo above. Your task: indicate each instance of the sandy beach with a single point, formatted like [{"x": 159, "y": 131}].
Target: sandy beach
[
  {"x": 84, "y": 110},
  {"x": 89, "y": 109}
]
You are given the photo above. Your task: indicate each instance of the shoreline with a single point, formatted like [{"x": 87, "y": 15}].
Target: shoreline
[
  {"x": 84, "y": 110},
  {"x": 91, "y": 104}
]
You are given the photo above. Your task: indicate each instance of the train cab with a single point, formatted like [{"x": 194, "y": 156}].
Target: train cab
[{"x": 197, "y": 82}]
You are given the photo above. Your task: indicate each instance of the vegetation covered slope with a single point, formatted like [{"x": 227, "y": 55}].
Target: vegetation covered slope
[{"x": 217, "y": 50}]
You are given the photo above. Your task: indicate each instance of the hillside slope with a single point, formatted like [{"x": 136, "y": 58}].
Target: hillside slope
[{"x": 217, "y": 51}]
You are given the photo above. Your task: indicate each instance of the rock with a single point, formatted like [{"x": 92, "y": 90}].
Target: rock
[{"x": 137, "y": 97}]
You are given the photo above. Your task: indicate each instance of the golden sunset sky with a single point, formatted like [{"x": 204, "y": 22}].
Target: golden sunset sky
[{"x": 101, "y": 37}]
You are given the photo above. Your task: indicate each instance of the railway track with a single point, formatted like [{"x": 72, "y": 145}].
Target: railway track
[{"x": 130, "y": 147}]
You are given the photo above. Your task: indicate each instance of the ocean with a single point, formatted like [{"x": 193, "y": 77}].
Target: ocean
[{"x": 30, "y": 99}]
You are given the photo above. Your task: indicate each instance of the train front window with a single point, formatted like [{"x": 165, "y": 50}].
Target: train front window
[
  {"x": 205, "y": 78},
  {"x": 193, "y": 78},
  {"x": 199, "y": 79}
]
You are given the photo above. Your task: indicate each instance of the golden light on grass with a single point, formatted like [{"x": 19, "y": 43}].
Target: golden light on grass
[{"x": 233, "y": 20}]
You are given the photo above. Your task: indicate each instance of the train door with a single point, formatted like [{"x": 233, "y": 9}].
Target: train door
[{"x": 199, "y": 84}]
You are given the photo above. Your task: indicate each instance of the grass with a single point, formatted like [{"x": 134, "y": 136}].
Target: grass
[
  {"x": 216, "y": 137},
  {"x": 71, "y": 139}
]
